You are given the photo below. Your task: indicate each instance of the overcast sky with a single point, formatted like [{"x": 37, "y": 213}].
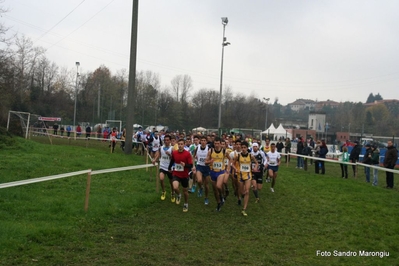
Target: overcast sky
[{"x": 337, "y": 50}]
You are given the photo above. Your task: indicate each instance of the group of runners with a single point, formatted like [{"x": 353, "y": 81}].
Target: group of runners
[{"x": 191, "y": 163}]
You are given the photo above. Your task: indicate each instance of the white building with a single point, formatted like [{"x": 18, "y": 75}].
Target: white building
[
  {"x": 302, "y": 104},
  {"x": 317, "y": 121}
]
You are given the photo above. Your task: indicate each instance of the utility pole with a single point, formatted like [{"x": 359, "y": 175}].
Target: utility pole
[
  {"x": 224, "y": 43},
  {"x": 132, "y": 78},
  {"x": 98, "y": 101}
]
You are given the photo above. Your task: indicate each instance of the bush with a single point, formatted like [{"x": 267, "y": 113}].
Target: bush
[{"x": 6, "y": 139}]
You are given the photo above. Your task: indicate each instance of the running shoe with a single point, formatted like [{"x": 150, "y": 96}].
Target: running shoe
[
  {"x": 244, "y": 213},
  {"x": 185, "y": 208},
  {"x": 206, "y": 201},
  {"x": 199, "y": 193},
  {"x": 221, "y": 201},
  {"x": 178, "y": 198},
  {"x": 163, "y": 195},
  {"x": 218, "y": 207},
  {"x": 173, "y": 198},
  {"x": 272, "y": 189},
  {"x": 193, "y": 188},
  {"x": 257, "y": 200}
]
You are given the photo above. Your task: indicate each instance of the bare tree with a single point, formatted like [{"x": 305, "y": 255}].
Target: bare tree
[
  {"x": 25, "y": 60},
  {"x": 181, "y": 86}
]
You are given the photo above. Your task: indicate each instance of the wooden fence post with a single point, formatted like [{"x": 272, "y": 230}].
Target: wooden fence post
[
  {"x": 87, "y": 190},
  {"x": 157, "y": 177}
]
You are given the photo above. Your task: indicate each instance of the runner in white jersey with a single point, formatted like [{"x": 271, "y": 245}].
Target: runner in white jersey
[
  {"x": 164, "y": 153},
  {"x": 257, "y": 176},
  {"x": 187, "y": 144},
  {"x": 156, "y": 142},
  {"x": 202, "y": 170},
  {"x": 273, "y": 162},
  {"x": 193, "y": 147}
]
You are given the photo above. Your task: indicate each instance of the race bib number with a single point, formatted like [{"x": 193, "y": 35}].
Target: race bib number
[
  {"x": 156, "y": 145},
  {"x": 165, "y": 158},
  {"x": 202, "y": 160},
  {"x": 217, "y": 166},
  {"x": 245, "y": 168},
  {"x": 179, "y": 167},
  {"x": 272, "y": 163}
]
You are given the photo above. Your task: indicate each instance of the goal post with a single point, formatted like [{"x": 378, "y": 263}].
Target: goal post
[
  {"x": 24, "y": 118},
  {"x": 111, "y": 123}
]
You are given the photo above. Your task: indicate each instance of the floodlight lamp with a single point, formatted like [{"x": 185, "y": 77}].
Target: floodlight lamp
[
  {"x": 225, "y": 20},
  {"x": 77, "y": 64},
  {"x": 268, "y": 99},
  {"x": 226, "y": 43}
]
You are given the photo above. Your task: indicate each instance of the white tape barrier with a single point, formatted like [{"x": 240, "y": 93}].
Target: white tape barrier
[
  {"x": 321, "y": 159},
  {"x": 347, "y": 163},
  {"x": 42, "y": 179},
  {"x": 379, "y": 168},
  {"x": 47, "y": 178},
  {"x": 72, "y": 136},
  {"x": 121, "y": 169}
]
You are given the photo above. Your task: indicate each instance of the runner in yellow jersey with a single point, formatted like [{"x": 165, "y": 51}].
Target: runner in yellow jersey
[
  {"x": 216, "y": 160},
  {"x": 227, "y": 161},
  {"x": 266, "y": 149},
  {"x": 174, "y": 145},
  {"x": 234, "y": 174},
  {"x": 245, "y": 161}
]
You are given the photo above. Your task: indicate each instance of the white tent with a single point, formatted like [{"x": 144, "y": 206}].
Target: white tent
[
  {"x": 281, "y": 132},
  {"x": 157, "y": 128},
  {"x": 270, "y": 130},
  {"x": 201, "y": 129}
]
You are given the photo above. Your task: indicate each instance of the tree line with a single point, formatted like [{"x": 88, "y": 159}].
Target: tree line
[{"x": 31, "y": 82}]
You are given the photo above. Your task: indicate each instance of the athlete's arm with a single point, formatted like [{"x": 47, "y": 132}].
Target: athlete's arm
[
  {"x": 227, "y": 156},
  {"x": 267, "y": 161},
  {"x": 233, "y": 163},
  {"x": 256, "y": 163},
  {"x": 172, "y": 162},
  {"x": 264, "y": 159},
  {"x": 189, "y": 163},
  {"x": 208, "y": 159}
]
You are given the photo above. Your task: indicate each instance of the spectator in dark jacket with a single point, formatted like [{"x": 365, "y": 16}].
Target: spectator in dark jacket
[
  {"x": 307, "y": 151},
  {"x": 367, "y": 160},
  {"x": 322, "y": 154},
  {"x": 299, "y": 159},
  {"x": 279, "y": 145},
  {"x": 88, "y": 131},
  {"x": 55, "y": 128},
  {"x": 354, "y": 156},
  {"x": 391, "y": 156},
  {"x": 375, "y": 160},
  {"x": 287, "y": 147}
]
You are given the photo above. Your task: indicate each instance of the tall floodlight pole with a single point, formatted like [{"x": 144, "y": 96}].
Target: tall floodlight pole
[
  {"x": 76, "y": 93},
  {"x": 132, "y": 78},
  {"x": 267, "y": 106},
  {"x": 224, "y": 43}
]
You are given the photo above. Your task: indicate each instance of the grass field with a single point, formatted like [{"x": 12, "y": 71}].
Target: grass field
[{"x": 128, "y": 224}]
